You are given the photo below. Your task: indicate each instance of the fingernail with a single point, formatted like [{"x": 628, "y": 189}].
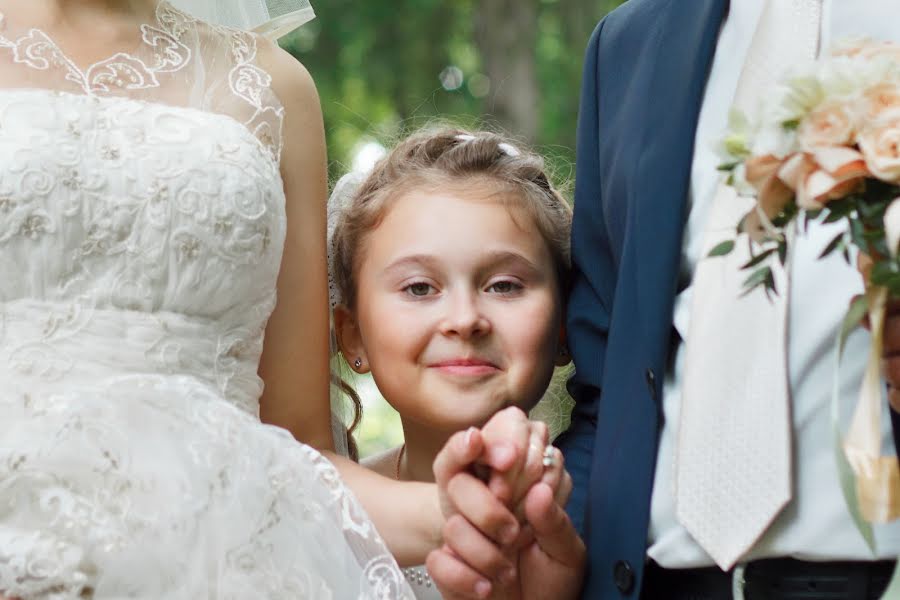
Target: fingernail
[
  {"x": 482, "y": 589},
  {"x": 509, "y": 534},
  {"x": 503, "y": 453},
  {"x": 508, "y": 576},
  {"x": 469, "y": 433}
]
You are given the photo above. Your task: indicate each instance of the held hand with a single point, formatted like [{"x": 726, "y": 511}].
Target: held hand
[
  {"x": 548, "y": 552},
  {"x": 550, "y": 565},
  {"x": 528, "y": 439},
  {"x": 470, "y": 508}
]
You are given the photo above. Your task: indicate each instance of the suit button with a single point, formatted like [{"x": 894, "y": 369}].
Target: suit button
[
  {"x": 651, "y": 382},
  {"x": 623, "y": 575}
]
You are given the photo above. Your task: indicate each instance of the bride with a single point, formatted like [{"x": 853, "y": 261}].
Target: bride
[{"x": 160, "y": 177}]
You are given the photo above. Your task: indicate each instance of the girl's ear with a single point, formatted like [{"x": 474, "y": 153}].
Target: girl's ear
[
  {"x": 349, "y": 339},
  {"x": 562, "y": 354}
]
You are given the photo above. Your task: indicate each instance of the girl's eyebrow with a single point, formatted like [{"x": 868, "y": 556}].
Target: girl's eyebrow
[
  {"x": 492, "y": 260},
  {"x": 499, "y": 258},
  {"x": 413, "y": 260}
]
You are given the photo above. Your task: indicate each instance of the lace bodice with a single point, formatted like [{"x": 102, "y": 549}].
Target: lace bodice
[{"x": 146, "y": 183}]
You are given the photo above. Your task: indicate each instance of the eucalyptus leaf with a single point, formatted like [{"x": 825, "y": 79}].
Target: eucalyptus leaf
[
  {"x": 759, "y": 277},
  {"x": 833, "y": 245},
  {"x": 759, "y": 258},
  {"x": 722, "y": 249}
]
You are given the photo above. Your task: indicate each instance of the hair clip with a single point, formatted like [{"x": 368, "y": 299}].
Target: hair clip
[{"x": 508, "y": 149}]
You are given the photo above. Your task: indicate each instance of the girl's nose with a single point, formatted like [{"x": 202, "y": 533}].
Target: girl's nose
[{"x": 464, "y": 317}]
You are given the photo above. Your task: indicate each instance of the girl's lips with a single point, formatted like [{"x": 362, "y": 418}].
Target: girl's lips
[{"x": 465, "y": 366}]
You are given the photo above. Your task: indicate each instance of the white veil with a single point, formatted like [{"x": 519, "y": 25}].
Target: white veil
[{"x": 271, "y": 18}]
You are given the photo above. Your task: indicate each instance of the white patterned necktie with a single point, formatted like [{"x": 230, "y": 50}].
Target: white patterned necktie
[{"x": 733, "y": 464}]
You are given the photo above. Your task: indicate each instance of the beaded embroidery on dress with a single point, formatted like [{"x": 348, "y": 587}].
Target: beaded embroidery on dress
[{"x": 142, "y": 220}]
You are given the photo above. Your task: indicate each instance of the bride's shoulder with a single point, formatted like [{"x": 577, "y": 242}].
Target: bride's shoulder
[{"x": 291, "y": 82}]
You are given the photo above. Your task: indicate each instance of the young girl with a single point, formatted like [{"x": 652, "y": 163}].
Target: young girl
[{"x": 449, "y": 265}]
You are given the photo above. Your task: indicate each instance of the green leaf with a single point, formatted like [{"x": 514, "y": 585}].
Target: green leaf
[
  {"x": 857, "y": 234},
  {"x": 722, "y": 249},
  {"x": 758, "y": 258},
  {"x": 728, "y": 167},
  {"x": 791, "y": 124},
  {"x": 759, "y": 277},
  {"x": 834, "y": 216},
  {"x": 833, "y": 245},
  {"x": 782, "y": 252}
]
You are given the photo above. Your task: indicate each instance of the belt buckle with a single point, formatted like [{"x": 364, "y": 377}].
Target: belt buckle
[{"x": 738, "y": 582}]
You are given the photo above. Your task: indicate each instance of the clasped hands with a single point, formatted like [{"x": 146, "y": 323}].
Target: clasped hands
[{"x": 506, "y": 533}]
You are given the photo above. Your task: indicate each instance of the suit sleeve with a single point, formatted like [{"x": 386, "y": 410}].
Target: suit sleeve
[{"x": 593, "y": 284}]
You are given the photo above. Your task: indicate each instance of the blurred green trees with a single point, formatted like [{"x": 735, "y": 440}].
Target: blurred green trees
[{"x": 385, "y": 66}]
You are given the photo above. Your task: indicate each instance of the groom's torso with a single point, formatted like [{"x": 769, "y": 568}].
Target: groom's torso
[{"x": 653, "y": 58}]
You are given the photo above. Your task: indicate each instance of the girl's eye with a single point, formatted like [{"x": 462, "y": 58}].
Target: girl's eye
[
  {"x": 418, "y": 289},
  {"x": 504, "y": 287}
]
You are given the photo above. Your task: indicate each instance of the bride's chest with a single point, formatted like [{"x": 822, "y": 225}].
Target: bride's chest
[{"x": 91, "y": 187}]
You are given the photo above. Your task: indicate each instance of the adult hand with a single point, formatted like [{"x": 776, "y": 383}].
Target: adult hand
[
  {"x": 461, "y": 492},
  {"x": 481, "y": 477},
  {"x": 547, "y": 550},
  {"x": 549, "y": 567}
]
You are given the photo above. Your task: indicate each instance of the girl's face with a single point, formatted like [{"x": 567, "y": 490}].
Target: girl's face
[{"x": 458, "y": 308}]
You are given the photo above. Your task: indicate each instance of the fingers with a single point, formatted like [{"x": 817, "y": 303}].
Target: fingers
[
  {"x": 460, "y": 451},
  {"x": 477, "y": 551},
  {"x": 554, "y": 476},
  {"x": 508, "y": 431},
  {"x": 533, "y": 468},
  {"x": 481, "y": 508},
  {"x": 455, "y": 579},
  {"x": 553, "y": 530},
  {"x": 565, "y": 490}
]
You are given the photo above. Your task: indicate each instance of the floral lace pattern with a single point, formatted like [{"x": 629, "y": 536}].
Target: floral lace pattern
[{"x": 141, "y": 236}]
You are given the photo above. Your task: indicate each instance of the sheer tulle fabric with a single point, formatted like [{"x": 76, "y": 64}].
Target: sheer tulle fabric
[
  {"x": 142, "y": 220},
  {"x": 271, "y": 18}
]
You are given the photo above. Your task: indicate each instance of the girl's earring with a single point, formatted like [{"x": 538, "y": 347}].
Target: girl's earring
[{"x": 357, "y": 363}]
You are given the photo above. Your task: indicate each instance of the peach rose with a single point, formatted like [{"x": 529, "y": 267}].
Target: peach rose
[
  {"x": 829, "y": 124},
  {"x": 879, "y": 100},
  {"x": 772, "y": 194},
  {"x": 823, "y": 175},
  {"x": 880, "y": 145}
]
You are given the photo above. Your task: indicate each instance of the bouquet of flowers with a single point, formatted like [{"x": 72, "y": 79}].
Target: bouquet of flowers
[{"x": 827, "y": 145}]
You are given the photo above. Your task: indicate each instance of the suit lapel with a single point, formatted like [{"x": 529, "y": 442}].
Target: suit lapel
[{"x": 686, "y": 44}]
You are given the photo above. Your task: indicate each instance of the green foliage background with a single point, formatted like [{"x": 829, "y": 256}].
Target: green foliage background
[{"x": 378, "y": 66}]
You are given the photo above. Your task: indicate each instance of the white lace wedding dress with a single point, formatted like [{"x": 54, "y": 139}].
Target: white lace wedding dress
[{"x": 142, "y": 217}]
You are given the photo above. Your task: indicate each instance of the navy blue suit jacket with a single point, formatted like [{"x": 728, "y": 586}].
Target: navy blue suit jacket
[
  {"x": 644, "y": 75},
  {"x": 645, "y": 71}
]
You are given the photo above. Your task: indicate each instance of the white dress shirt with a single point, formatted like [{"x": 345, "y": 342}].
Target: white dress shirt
[{"x": 816, "y": 524}]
